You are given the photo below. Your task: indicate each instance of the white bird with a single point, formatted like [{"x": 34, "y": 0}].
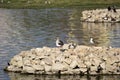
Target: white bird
[
  {"x": 59, "y": 43},
  {"x": 91, "y": 41}
]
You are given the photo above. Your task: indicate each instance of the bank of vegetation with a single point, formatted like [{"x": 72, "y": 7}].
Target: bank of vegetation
[{"x": 55, "y": 3}]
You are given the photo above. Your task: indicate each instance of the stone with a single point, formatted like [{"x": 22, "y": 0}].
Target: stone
[
  {"x": 73, "y": 64},
  {"x": 103, "y": 65},
  {"x": 42, "y": 63},
  {"x": 73, "y": 57},
  {"x": 53, "y": 61},
  {"x": 20, "y": 64},
  {"x": 104, "y": 58},
  {"x": 26, "y": 62},
  {"x": 110, "y": 68},
  {"x": 96, "y": 61},
  {"x": 38, "y": 67},
  {"x": 83, "y": 70},
  {"x": 48, "y": 68},
  {"x": 93, "y": 68},
  {"x": 76, "y": 71},
  {"x": 58, "y": 67},
  {"x": 100, "y": 15},
  {"x": 13, "y": 68},
  {"x": 68, "y": 61},
  {"x": 65, "y": 46},
  {"x": 17, "y": 58},
  {"x": 81, "y": 63},
  {"x": 87, "y": 63},
  {"x": 28, "y": 69},
  {"x": 60, "y": 57},
  {"x": 48, "y": 61}
]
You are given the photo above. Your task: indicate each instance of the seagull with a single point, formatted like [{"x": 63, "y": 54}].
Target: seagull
[
  {"x": 109, "y": 8},
  {"x": 114, "y": 9},
  {"x": 59, "y": 43},
  {"x": 91, "y": 41}
]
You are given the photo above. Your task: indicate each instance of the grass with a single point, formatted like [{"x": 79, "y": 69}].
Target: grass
[{"x": 56, "y": 3}]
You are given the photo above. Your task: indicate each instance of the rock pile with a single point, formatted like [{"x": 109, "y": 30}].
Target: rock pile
[
  {"x": 81, "y": 60},
  {"x": 101, "y": 15}
]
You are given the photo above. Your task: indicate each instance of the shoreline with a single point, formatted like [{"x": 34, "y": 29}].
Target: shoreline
[{"x": 56, "y": 5}]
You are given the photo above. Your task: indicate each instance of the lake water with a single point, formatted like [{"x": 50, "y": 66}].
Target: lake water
[{"x": 23, "y": 29}]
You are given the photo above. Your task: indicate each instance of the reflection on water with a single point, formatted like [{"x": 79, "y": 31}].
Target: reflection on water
[
  {"x": 17, "y": 76},
  {"x": 23, "y": 29},
  {"x": 104, "y": 34}
]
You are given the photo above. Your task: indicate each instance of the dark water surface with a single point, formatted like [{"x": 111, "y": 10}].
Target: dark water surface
[{"x": 23, "y": 29}]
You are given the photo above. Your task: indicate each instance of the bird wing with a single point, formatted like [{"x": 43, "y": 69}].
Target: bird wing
[{"x": 61, "y": 43}]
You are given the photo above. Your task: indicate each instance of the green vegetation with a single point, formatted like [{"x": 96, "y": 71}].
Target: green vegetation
[{"x": 55, "y": 3}]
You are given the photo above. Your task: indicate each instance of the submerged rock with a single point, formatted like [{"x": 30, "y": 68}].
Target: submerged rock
[{"x": 81, "y": 60}]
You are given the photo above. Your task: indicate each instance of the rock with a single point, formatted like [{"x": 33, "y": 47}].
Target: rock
[
  {"x": 67, "y": 72},
  {"x": 81, "y": 60},
  {"x": 20, "y": 64},
  {"x": 26, "y": 62},
  {"x": 68, "y": 61},
  {"x": 60, "y": 58},
  {"x": 93, "y": 68},
  {"x": 100, "y": 15},
  {"x": 42, "y": 63},
  {"x": 96, "y": 61},
  {"x": 104, "y": 58},
  {"x": 48, "y": 61},
  {"x": 103, "y": 65},
  {"x": 13, "y": 68},
  {"x": 65, "y": 46},
  {"x": 48, "y": 68},
  {"x": 81, "y": 64},
  {"x": 110, "y": 68},
  {"x": 17, "y": 58},
  {"x": 73, "y": 64},
  {"x": 38, "y": 67},
  {"x": 28, "y": 69},
  {"x": 58, "y": 67},
  {"x": 76, "y": 71},
  {"x": 83, "y": 70},
  {"x": 87, "y": 63}
]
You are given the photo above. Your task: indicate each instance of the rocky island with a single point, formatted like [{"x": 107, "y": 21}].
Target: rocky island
[
  {"x": 81, "y": 60},
  {"x": 101, "y": 15}
]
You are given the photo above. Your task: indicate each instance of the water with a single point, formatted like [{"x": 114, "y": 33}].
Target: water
[{"x": 23, "y": 29}]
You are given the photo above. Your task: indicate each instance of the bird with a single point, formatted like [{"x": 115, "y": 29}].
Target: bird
[
  {"x": 114, "y": 9},
  {"x": 59, "y": 43},
  {"x": 72, "y": 45},
  {"x": 109, "y": 8},
  {"x": 91, "y": 41}
]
